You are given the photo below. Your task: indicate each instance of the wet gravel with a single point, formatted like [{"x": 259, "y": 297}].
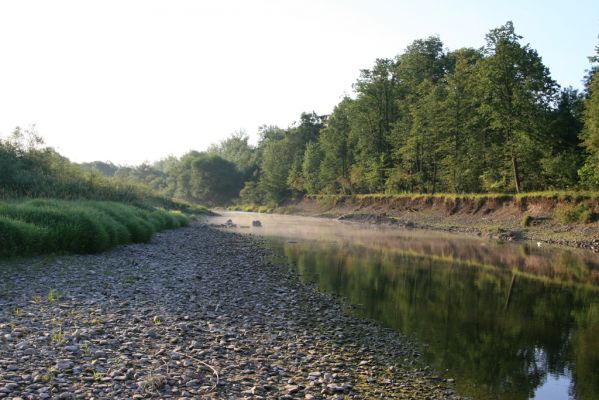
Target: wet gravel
[{"x": 196, "y": 313}]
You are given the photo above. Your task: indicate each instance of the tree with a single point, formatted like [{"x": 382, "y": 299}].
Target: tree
[
  {"x": 420, "y": 71},
  {"x": 517, "y": 89},
  {"x": 563, "y": 156},
  {"x": 236, "y": 149},
  {"x": 464, "y": 145},
  {"x": 373, "y": 113},
  {"x": 590, "y": 134},
  {"x": 276, "y": 164},
  {"x": 335, "y": 147},
  {"x": 214, "y": 180},
  {"x": 311, "y": 168}
]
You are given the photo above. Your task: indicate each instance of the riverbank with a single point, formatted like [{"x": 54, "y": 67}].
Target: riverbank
[
  {"x": 195, "y": 313},
  {"x": 537, "y": 217}
]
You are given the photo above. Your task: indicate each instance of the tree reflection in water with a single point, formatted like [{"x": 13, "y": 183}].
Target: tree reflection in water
[{"x": 496, "y": 342}]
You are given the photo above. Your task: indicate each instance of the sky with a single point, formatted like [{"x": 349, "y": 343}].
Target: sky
[{"x": 137, "y": 80}]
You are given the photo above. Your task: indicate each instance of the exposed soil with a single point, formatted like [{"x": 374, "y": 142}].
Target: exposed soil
[
  {"x": 196, "y": 313},
  {"x": 496, "y": 217}
]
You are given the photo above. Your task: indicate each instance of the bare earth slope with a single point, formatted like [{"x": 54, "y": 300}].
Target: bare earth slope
[
  {"x": 497, "y": 217},
  {"x": 197, "y": 313}
]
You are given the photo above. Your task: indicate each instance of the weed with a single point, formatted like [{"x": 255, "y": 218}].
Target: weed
[
  {"x": 58, "y": 337},
  {"x": 97, "y": 376},
  {"x": 47, "y": 377},
  {"x": 53, "y": 296},
  {"x": 156, "y": 320}
]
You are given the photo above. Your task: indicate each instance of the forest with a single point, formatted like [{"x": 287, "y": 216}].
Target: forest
[{"x": 430, "y": 120}]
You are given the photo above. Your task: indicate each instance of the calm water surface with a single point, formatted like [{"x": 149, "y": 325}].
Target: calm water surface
[{"x": 507, "y": 321}]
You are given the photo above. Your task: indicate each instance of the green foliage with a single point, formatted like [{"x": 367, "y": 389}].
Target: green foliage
[
  {"x": 311, "y": 168},
  {"x": 251, "y": 193},
  {"x": 275, "y": 169},
  {"x": 31, "y": 170},
  {"x": 214, "y": 179},
  {"x": 525, "y": 221},
  {"x": 580, "y": 213},
  {"x": 589, "y": 173},
  {"x": 428, "y": 120},
  {"x": 56, "y": 226}
]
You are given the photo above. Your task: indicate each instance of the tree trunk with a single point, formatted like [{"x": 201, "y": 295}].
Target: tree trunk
[
  {"x": 434, "y": 177},
  {"x": 515, "y": 171}
]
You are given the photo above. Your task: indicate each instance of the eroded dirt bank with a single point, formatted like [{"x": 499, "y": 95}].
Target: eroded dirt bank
[
  {"x": 197, "y": 313},
  {"x": 497, "y": 217}
]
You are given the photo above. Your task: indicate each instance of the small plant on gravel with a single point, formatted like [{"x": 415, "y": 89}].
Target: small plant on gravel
[
  {"x": 58, "y": 337},
  {"x": 18, "y": 312},
  {"x": 53, "y": 296},
  {"x": 47, "y": 377},
  {"x": 156, "y": 320},
  {"x": 97, "y": 376},
  {"x": 37, "y": 299},
  {"x": 153, "y": 382}
]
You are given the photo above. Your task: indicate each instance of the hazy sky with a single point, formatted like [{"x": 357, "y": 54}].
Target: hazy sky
[{"x": 135, "y": 80}]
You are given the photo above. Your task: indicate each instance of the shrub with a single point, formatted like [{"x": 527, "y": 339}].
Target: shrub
[
  {"x": 525, "y": 221},
  {"x": 580, "y": 213}
]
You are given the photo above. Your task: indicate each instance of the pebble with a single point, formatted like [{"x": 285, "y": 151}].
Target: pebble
[{"x": 138, "y": 322}]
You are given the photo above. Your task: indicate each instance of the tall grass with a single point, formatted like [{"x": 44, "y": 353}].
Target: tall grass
[{"x": 60, "y": 226}]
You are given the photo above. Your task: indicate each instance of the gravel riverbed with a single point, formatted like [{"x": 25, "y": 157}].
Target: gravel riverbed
[{"x": 196, "y": 314}]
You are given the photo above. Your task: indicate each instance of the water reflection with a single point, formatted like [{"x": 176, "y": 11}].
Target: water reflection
[{"x": 507, "y": 321}]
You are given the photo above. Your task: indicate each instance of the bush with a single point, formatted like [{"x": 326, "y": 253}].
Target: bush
[
  {"x": 525, "y": 221},
  {"x": 49, "y": 226},
  {"x": 580, "y": 213}
]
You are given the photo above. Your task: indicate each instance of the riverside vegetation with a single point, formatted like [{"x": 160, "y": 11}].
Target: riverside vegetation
[
  {"x": 428, "y": 121},
  {"x": 158, "y": 318},
  {"x": 52, "y": 226},
  {"x": 50, "y": 205}
]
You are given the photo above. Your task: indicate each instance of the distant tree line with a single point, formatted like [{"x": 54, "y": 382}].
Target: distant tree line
[
  {"x": 29, "y": 169},
  {"x": 429, "y": 120},
  {"x": 426, "y": 121}
]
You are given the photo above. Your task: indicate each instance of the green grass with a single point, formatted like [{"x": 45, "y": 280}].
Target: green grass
[
  {"x": 251, "y": 208},
  {"x": 558, "y": 195},
  {"x": 44, "y": 226}
]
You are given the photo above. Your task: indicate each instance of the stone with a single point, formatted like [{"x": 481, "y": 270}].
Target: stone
[{"x": 64, "y": 364}]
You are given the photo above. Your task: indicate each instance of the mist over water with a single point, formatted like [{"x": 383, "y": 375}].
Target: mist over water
[{"x": 507, "y": 321}]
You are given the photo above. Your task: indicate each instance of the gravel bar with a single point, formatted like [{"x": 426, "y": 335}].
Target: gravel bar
[{"x": 197, "y": 313}]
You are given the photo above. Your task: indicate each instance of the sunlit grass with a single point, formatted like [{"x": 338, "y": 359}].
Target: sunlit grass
[
  {"x": 45, "y": 226},
  {"x": 556, "y": 195}
]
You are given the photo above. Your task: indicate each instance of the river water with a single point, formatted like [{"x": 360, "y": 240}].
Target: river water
[{"x": 507, "y": 321}]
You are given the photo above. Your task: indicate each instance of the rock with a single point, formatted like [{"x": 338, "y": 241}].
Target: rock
[
  {"x": 9, "y": 387},
  {"x": 142, "y": 325},
  {"x": 256, "y": 223},
  {"x": 72, "y": 349},
  {"x": 291, "y": 389},
  {"x": 64, "y": 364}
]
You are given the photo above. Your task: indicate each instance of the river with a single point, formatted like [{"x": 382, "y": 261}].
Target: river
[{"x": 505, "y": 320}]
